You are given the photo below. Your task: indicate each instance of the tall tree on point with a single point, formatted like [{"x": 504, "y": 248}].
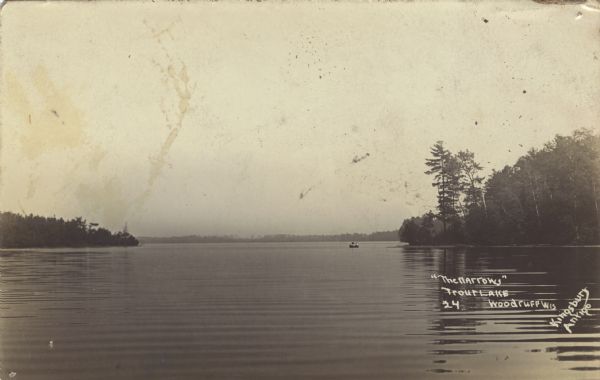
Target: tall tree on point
[
  {"x": 471, "y": 180},
  {"x": 442, "y": 169}
]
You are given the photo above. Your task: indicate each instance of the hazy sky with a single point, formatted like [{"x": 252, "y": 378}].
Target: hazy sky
[{"x": 236, "y": 118}]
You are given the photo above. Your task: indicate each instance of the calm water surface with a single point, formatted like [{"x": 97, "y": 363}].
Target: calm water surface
[{"x": 290, "y": 311}]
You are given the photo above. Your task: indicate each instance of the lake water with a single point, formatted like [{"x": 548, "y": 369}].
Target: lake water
[{"x": 291, "y": 311}]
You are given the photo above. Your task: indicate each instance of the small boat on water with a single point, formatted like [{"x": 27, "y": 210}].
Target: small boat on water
[{"x": 353, "y": 245}]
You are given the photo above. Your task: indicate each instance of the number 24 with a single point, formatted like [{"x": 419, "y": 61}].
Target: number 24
[{"x": 452, "y": 305}]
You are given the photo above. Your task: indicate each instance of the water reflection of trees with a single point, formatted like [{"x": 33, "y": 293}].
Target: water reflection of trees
[{"x": 552, "y": 273}]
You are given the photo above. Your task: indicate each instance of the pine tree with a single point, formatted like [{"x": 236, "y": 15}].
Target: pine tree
[
  {"x": 442, "y": 169},
  {"x": 471, "y": 181}
]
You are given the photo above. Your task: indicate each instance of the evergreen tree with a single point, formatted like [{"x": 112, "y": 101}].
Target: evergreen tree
[
  {"x": 440, "y": 167},
  {"x": 26, "y": 231},
  {"x": 470, "y": 181},
  {"x": 549, "y": 196}
]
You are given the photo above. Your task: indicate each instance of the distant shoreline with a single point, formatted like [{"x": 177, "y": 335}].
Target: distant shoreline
[
  {"x": 6, "y": 249},
  {"x": 268, "y": 241},
  {"x": 390, "y": 236},
  {"x": 68, "y": 247}
]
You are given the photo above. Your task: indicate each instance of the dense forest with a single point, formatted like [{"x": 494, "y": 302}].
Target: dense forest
[
  {"x": 549, "y": 196},
  {"x": 18, "y": 231},
  {"x": 281, "y": 238}
]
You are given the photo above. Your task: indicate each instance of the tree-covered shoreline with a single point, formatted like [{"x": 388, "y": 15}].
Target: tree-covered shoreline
[
  {"x": 550, "y": 196},
  {"x": 32, "y": 231},
  {"x": 279, "y": 238}
]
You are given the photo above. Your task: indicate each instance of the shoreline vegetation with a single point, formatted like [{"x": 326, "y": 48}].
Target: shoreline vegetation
[
  {"x": 280, "y": 238},
  {"x": 549, "y": 197},
  {"x": 31, "y": 231}
]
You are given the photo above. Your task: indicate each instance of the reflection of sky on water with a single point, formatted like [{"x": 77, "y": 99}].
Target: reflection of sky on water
[{"x": 315, "y": 310}]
